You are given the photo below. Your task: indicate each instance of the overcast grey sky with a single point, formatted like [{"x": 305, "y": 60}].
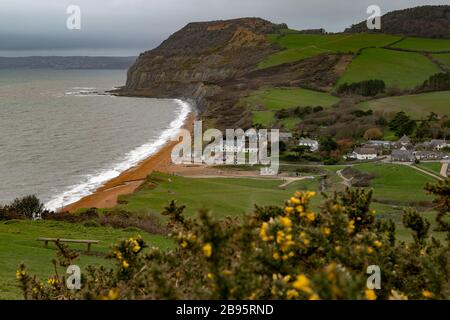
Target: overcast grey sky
[{"x": 143, "y": 24}]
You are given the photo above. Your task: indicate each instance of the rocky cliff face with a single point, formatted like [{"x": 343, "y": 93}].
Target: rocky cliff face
[
  {"x": 214, "y": 64},
  {"x": 192, "y": 61}
]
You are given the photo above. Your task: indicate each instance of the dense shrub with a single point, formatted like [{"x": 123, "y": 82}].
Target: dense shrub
[
  {"x": 358, "y": 178},
  {"x": 287, "y": 252},
  {"x": 436, "y": 82},
  {"x": 28, "y": 206},
  {"x": 367, "y": 88},
  {"x": 119, "y": 219}
]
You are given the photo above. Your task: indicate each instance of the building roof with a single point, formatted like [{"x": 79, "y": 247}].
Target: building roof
[
  {"x": 401, "y": 153},
  {"x": 404, "y": 139},
  {"x": 307, "y": 140},
  {"x": 366, "y": 151}
]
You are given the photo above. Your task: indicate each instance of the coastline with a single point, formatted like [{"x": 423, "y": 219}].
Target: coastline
[{"x": 128, "y": 181}]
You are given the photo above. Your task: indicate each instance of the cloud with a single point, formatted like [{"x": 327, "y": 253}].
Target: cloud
[{"x": 31, "y": 24}]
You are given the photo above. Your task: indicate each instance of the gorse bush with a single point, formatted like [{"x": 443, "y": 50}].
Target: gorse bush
[{"x": 287, "y": 252}]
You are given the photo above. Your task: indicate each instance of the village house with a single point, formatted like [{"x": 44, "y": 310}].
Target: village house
[
  {"x": 402, "y": 155},
  {"x": 404, "y": 141},
  {"x": 380, "y": 143},
  {"x": 312, "y": 144},
  {"x": 430, "y": 155},
  {"x": 364, "y": 154},
  {"x": 437, "y": 144}
]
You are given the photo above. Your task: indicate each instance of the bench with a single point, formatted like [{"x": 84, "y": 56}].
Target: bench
[{"x": 88, "y": 242}]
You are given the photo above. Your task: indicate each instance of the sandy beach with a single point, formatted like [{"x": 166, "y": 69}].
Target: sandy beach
[{"x": 128, "y": 181}]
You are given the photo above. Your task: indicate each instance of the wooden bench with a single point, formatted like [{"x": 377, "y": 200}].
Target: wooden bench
[{"x": 88, "y": 242}]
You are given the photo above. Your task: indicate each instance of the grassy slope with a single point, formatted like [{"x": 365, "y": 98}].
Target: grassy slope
[
  {"x": 443, "y": 57},
  {"x": 397, "y": 183},
  {"x": 431, "y": 166},
  {"x": 276, "y": 99},
  {"x": 224, "y": 196},
  {"x": 18, "y": 244},
  {"x": 418, "y": 105},
  {"x": 424, "y": 44},
  {"x": 302, "y": 46},
  {"x": 396, "y": 68}
]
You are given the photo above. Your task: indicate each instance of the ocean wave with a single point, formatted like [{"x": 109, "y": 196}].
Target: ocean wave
[{"x": 92, "y": 182}]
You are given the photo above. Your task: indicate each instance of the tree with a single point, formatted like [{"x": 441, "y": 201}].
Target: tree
[
  {"x": 373, "y": 133},
  {"x": 28, "y": 206},
  {"x": 441, "y": 202},
  {"x": 300, "y": 151},
  {"x": 402, "y": 124},
  {"x": 328, "y": 144}
]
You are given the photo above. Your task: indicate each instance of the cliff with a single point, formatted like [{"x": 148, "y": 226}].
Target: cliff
[{"x": 214, "y": 64}]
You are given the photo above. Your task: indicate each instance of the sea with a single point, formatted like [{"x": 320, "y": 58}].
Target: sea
[{"x": 62, "y": 135}]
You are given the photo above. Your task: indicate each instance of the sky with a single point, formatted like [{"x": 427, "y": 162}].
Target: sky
[{"x": 132, "y": 26}]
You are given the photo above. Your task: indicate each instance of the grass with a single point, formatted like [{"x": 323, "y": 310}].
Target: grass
[
  {"x": 443, "y": 57},
  {"x": 18, "y": 244},
  {"x": 224, "y": 196},
  {"x": 424, "y": 44},
  {"x": 417, "y": 105},
  {"x": 290, "y": 55},
  {"x": 301, "y": 46},
  {"x": 434, "y": 167},
  {"x": 397, "y": 184},
  {"x": 284, "y": 98},
  {"x": 400, "y": 69}
]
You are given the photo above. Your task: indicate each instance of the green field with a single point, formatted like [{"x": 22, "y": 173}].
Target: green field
[
  {"x": 397, "y": 184},
  {"x": 291, "y": 55},
  {"x": 418, "y": 105},
  {"x": 395, "y": 68},
  {"x": 443, "y": 57},
  {"x": 424, "y": 44},
  {"x": 284, "y": 98},
  {"x": 18, "y": 244},
  {"x": 434, "y": 167},
  {"x": 302, "y": 46},
  {"x": 223, "y": 196}
]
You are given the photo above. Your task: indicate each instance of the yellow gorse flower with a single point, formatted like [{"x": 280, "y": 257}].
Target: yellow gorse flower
[
  {"x": 427, "y": 294},
  {"x": 370, "y": 294},
  {"x": 125, "y": 264},
  {"x": 20, "y": 274},
  {"x": 286, "y": 222},
  {"x": 310, "y": 216},
  {"x": 207, "y": 250},
  {"x": 302, "y": 283},
  {"x": 351, "y": 226}
]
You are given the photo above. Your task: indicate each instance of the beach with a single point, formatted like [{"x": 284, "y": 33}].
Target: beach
[{"x": 128, "y": 181}]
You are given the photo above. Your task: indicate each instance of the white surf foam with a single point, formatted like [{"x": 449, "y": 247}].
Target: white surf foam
[{"x": 92, "y": 182}]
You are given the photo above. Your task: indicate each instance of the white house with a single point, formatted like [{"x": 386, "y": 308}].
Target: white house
[
  {"x": 364, "y": 154},
  {"x": 439, "y": 144},
  {"x": 312, "y": 144}
]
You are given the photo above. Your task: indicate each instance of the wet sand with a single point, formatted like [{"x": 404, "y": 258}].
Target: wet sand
[{"x": 130, "y": 180}]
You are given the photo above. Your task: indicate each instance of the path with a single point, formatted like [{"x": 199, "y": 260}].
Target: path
[
  {"x": 423, "y": 171},
  {"x": 346, "y": 182},
  {"x": 444, "y": 169}
]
